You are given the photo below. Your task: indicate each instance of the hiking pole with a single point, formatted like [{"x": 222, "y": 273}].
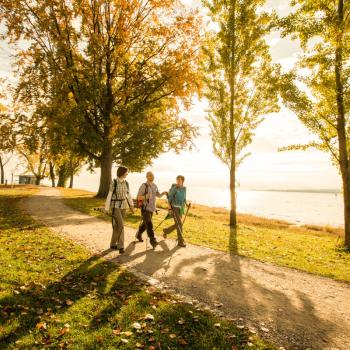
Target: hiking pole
[
  {"x": 188, "y": 208},
  {"x": 161, "y": 222}
]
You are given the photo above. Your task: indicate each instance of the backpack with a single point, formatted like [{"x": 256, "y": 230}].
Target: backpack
[{"x": 140, "y": 203}]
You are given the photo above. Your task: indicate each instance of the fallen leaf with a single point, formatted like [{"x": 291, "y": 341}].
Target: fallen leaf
[
  {"x": 181, "y": 321},
  {"x": 41, "y": 325},
  {"x": 69, "y": 302},
  {"x": 264, "y": 329},
  {"x": 99, "y": 339},
  {"x": 64, "y": 331},
  {"x": 136, "y": 325},
  {"x": 182, "y": 341},
  {"x": 125, "y": 341},
  {"x": 128, "y": 333},
  {"x": 172, "y": 336},
  {"x": 217, "y": 325},
  {"x": 116, "y": 331},
  {"x": 149, "y": 317}
]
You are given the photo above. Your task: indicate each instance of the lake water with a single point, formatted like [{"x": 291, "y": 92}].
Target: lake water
[{"x": 297, "y": 207}]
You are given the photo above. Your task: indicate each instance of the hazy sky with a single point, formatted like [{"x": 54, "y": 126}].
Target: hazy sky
[{"x": 266, "y": 168}]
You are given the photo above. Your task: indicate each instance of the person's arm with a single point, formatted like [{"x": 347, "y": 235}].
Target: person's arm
[
  {"x": 171, "y": 194},
  {"x": 130, "y": 201},
  {"x": 141, "y": 194},
  {"x": 159, "y": 195},
  {"x": 109, "y": 197}
]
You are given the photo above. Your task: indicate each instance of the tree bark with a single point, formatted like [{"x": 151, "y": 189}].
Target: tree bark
[
  {"x": 62, "y": 176},
  {"x": 233, "y": 210},
  {"x": 71, "y": 180},
  {"x": 106, "y": 171},
  {"x": 37, "y": 180},
  {"x": 2, "y": 172},
  {"x": 52, "y": 175},
  {"x": 341, "y": 123},
  {"x": 232, "y": 145}
]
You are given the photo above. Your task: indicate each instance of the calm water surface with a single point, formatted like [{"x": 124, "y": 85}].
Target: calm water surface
[{"x": 298, "y": 207}]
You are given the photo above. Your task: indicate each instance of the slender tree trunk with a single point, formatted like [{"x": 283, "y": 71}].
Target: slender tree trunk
[
  {"x": 233, "y": 211},
  {"x": 2, "y": 172},
  {"x": 106, "y": 171},
  {"x": 232, "y": 145},
  {"x": 52, "y": 175},
  {"x": 37, "y": 180},
  {"x": 341, "y": 123},
  {"x": 71, "y": 180}
]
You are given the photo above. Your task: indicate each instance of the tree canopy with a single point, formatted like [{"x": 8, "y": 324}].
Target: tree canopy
[
  {"x": 318, "y": 89},
  {"x": 124, "y": 69},
  {"x": 240, "y": 79}
]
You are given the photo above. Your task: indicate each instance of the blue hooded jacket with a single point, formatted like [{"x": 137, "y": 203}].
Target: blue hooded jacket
[{"x": 177, "y": 196}]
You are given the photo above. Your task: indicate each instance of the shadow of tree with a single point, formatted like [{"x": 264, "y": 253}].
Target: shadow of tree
[{"x": 239, "y": 293}]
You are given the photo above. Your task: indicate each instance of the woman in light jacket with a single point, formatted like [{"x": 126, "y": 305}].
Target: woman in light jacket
[{"x": 118, "y": 201}]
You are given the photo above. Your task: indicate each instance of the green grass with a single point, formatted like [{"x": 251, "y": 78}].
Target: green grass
[
  {"x": 54, "y": 295},
  {"x": 312, "y": 249}
]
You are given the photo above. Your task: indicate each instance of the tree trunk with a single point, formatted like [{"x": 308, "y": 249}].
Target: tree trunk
[
  {"x": 52, "y": 175},
  {"x": 62, "y": 176},
  {"x": 233, "y": 210},
  {"x": 37, "y": 180},
  {"x": 232, "y": 145},
  {"x": 346, "y": 196},
  {"x": 341, "y": 123},
  {"x": 71, "y": 180},
  {"x": 2, "y": 172},
  {"x": 106, "y": 172}
]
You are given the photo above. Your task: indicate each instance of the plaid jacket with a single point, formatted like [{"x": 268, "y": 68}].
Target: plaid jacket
[{"x": 122, "y": 198}]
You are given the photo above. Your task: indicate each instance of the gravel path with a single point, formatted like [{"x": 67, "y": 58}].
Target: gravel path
[{"x": 296, "y": 310}]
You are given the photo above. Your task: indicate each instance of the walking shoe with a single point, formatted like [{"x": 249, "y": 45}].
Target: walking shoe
[
  {"x": 154, "y": 243},
  {"x": 139, "y": 236},
  {"x": 114, "y": 247},
  {"x": 182, "y": 245},
  {"x": 121, "y": 251}
]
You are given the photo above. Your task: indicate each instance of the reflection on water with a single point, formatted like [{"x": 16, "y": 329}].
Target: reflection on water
[{"x": 299, "y": 207}]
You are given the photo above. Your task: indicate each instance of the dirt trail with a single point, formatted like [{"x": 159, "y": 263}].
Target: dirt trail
[{"x": 294, "y": 309}]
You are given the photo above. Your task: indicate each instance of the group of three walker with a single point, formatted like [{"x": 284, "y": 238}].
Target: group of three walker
[{"x": 119, "y": 200}]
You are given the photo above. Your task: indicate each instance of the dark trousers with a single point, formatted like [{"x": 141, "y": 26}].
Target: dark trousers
[
  {"x": 177, "y": 225},
  {"x": 147, "y": 225}
]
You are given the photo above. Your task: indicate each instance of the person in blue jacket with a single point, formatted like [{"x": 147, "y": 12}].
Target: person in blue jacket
[{"x": 177, "y": 202}]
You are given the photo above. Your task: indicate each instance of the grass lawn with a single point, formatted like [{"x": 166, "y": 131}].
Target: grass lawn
[
  {"x": 54, "y": 295},
  {"x": 309, "y": 248}
]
